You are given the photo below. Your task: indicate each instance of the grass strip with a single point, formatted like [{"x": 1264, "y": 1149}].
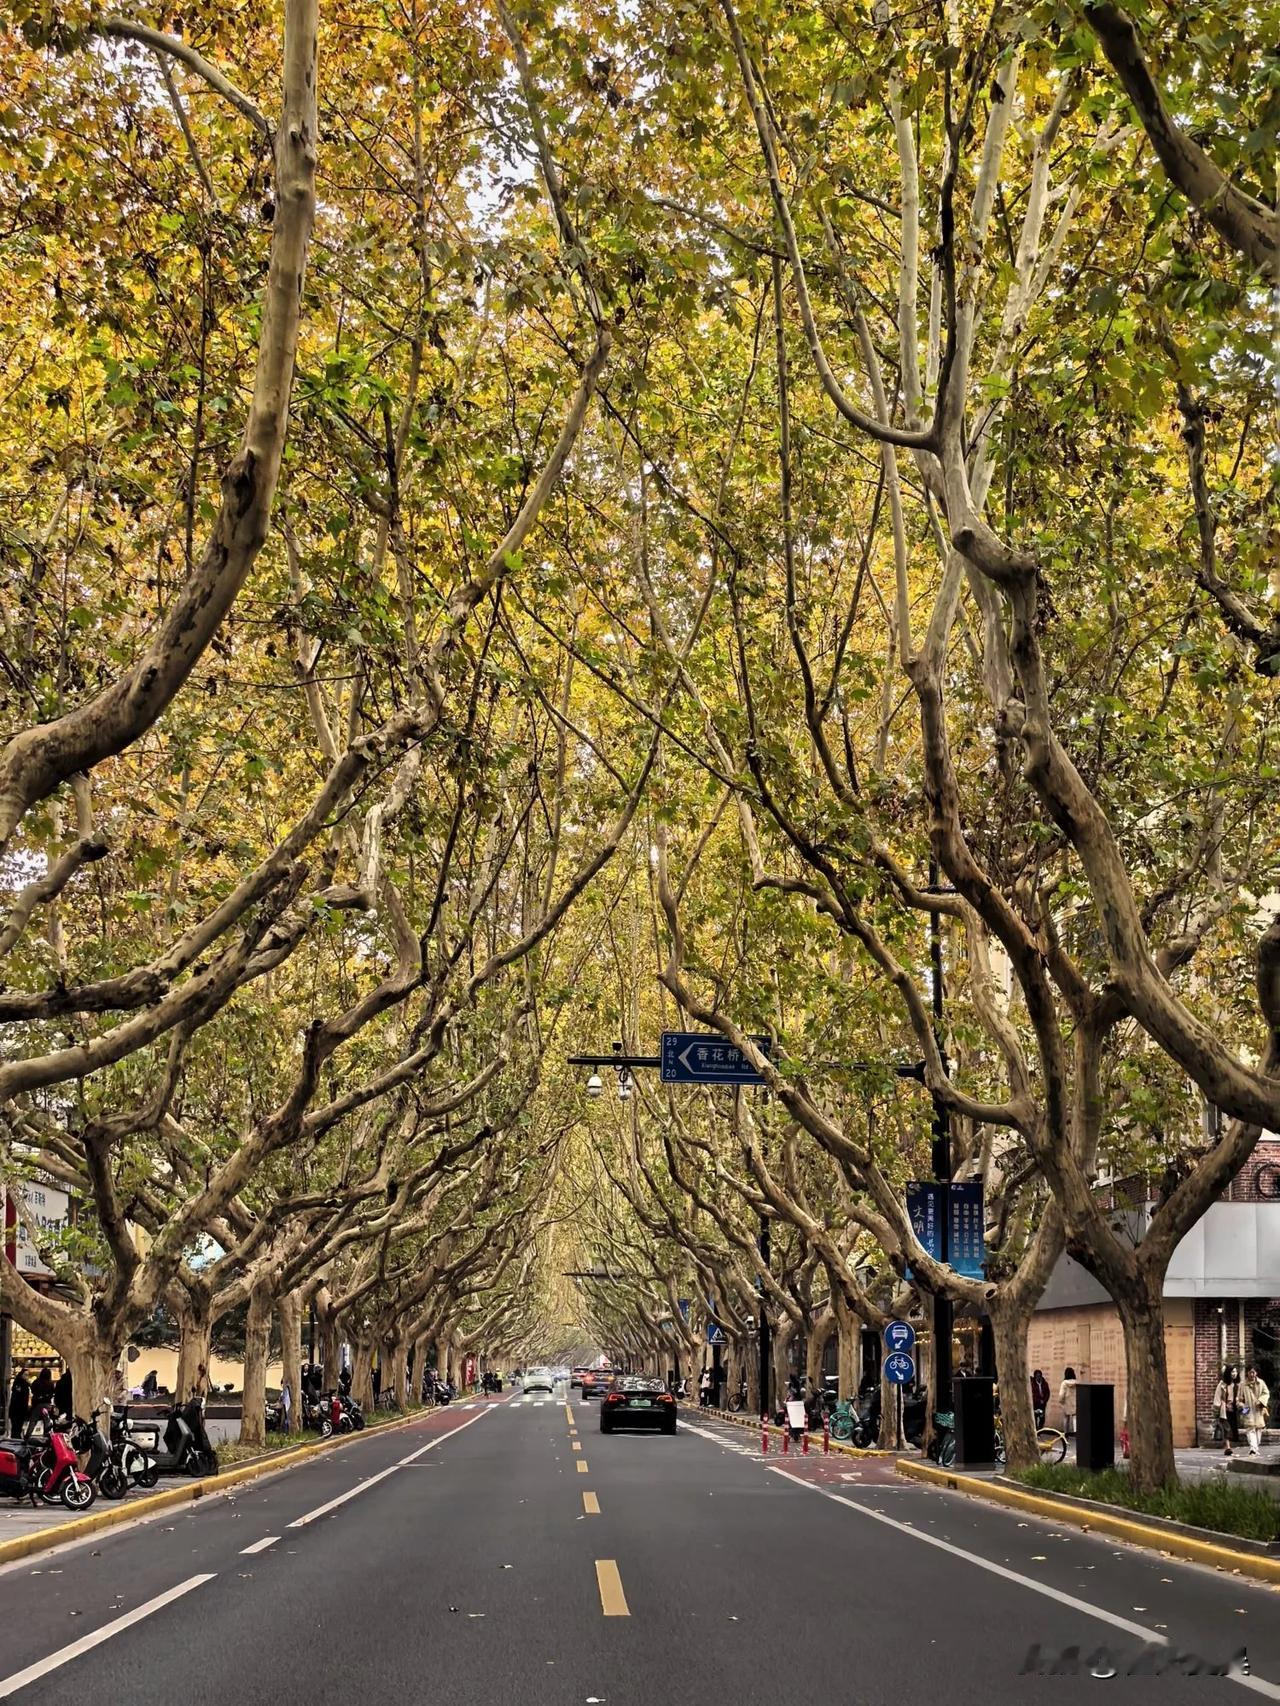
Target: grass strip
[{"x": 1215, "y": 1504}]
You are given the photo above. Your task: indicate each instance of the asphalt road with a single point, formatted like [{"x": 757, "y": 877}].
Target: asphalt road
[{"x": 478, "y": 1557}]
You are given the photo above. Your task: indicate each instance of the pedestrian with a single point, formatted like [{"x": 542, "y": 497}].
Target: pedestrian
[
  {"x": 1255, "y": 1396},
  {"x": 1067, "y": 1399},
  {"x": 704, "y": 1388},
  {"x": 1039, "y": 1396},
  {"x": 1226, "y": 1406},
  {"x": 62, "y": 1394},
  {"x": 42, "y": 1391},
  {"x": 19, "y": 1403}
]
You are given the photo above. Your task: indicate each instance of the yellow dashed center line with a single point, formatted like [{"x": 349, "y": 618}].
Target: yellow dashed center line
[
  {"x": 582, "y": 1466},
  {"x": 591, "y": 1504},
  {"x": 613, "y": 1602},
  {"x": 577, "y": 1445}
]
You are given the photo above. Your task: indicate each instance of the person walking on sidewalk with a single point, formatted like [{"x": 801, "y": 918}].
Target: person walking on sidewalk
[
  {"x": 704, "y": 1389},
  {"x": 1067, "y": 1399},
  {"x": 1039, "y": 1396},
  {"x": 1226, "y": 1402},
  {"x": 19, "y": 1403},
  {"x": 1255, "y": 1395}
]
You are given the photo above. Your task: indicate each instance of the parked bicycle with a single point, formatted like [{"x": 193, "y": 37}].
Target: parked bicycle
[{"x": 1052, "y": 1444}]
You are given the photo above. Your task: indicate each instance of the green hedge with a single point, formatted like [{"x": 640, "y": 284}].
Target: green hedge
[{"x": 1216, "y": 1504}]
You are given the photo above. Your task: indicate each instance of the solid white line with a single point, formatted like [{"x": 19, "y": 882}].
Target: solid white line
[
  {"x": 440, "y": 1439},
  {"x": 363, "y": 1486},
  {"x": 360, "y": 1487},
  {"x": 23, "y": 1678},
  {"x": 1256, "y": 1684},
  {"x": 259, "y": 1545}
]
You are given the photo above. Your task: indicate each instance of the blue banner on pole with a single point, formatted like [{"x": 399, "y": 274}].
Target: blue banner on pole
[
  {"x": 924, "y": 1210},
  {"x": 966, "y": 1247}
]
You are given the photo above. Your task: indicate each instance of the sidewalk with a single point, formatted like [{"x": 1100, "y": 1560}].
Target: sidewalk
[{"x": 1207, "y": 1463}]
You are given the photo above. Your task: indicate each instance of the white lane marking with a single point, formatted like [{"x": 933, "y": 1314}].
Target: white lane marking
[
  {"x": 360, "y": 1487},
  {"x": 372, "y": 1481},
  {"x": 440, "y": 1439},
  {"x": 1154, "y": 1636},
  {"x": 24, "y": 1678},
  {"x": 259, "y": 1545}
]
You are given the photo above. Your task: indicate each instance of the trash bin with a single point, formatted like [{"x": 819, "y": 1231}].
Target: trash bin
[
  {"x": 1095, "y": 1425},
  {"x": 974, "y": 1398}
]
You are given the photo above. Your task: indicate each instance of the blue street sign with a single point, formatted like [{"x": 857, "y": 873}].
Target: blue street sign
[
  {"x": 900, "y": 1336},
  {"x": 899, "y": 1368},
  {"x": 702, "y": 1057},
  {"x": 684, "y": 1307},
  {"x": 715, "y": 1333}
]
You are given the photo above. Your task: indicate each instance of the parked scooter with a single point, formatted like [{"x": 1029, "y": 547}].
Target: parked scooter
[
  {"x": 92, "y": 1445},
  {"x": 129, "y": 1465},
  {"x": 20, "y": 1465},
  {"x": 317, "y": 1415},
  {"x": 185, "y": 1448},
  {"x": 50, "y": 1466},
  {"x": 353, "y": 1415}
]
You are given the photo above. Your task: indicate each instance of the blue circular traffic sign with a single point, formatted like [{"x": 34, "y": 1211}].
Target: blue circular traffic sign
[
  {"x": 900, "y": 1336},
  {"x": 899, "y": 1368}
]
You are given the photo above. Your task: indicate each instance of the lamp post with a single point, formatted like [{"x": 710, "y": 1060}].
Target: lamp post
[
  {"x": 943, "y": 1310},
  {"x": 764, "y": 1318}
]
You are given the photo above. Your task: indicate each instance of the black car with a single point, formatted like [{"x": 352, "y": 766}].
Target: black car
[{"x": 638, "y": 1403}]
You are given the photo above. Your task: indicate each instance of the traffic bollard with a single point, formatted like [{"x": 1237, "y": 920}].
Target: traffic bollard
[
  {"x": 826, "y": 1437},
  {"x": 764, "y": 1435},
  {"x": 786, "y": 1440},
  {"x": 805, "y": 1447}
]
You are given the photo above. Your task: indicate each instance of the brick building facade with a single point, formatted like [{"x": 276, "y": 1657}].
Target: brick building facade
[{"x": 1222, "y": 1304}]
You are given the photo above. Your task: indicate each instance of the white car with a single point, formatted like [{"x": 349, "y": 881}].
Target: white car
[{"x": 539, "y": 1380}]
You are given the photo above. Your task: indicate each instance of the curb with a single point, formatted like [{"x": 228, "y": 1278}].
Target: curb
[
  {"x": 1098, "y": 1519},
  {"x": 46, "y": 1539},
  {"x": 835, "y": 1445}
]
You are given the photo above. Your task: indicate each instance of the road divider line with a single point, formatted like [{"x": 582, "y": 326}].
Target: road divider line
[
  {"x": 582, "y": 1466},
  {"x": 577, "y": 1445},
  {"x": 1257, "y": 1684},
  {"x": 259, "y": 1545},
  {"x": 590, "y": 1504},
  {"x": 360, "y": 1487},
  {"x": 613, "y": 1602},
  {"x": 24, "y": 1678},
  {"x": 372, "y": 1480}
]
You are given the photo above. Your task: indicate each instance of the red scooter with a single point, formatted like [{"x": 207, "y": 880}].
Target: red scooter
[{"x": 48, "y": 1467}]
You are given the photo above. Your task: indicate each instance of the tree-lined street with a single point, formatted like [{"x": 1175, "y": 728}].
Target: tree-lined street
[
  {"x": 639, "y": 664},
  {"x": 471, "y": 1570}
]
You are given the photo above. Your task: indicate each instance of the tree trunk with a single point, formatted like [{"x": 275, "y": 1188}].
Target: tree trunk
[
  {"x": 257, "y": 1343},
  {"x": 289, "y": 1312},
  {"x": 1149, "y": 1411},
  {"x": 421, "y": 1357},
  {"x": 444, "y": 1349},
  {"x": 1010, "y": 1319},
  {"x": 848, "y": 1351},
  {"x": 91, "y": 1360},
  {"x": 783, "y": 1334},
  {"x": 362, "y": 1372},
  {"x": 195, "y": 1328},
  {"x": 327, "y": 1340},
  {"x": 816, "y": 1347},
  {"x": 397, "y": 1361}
]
